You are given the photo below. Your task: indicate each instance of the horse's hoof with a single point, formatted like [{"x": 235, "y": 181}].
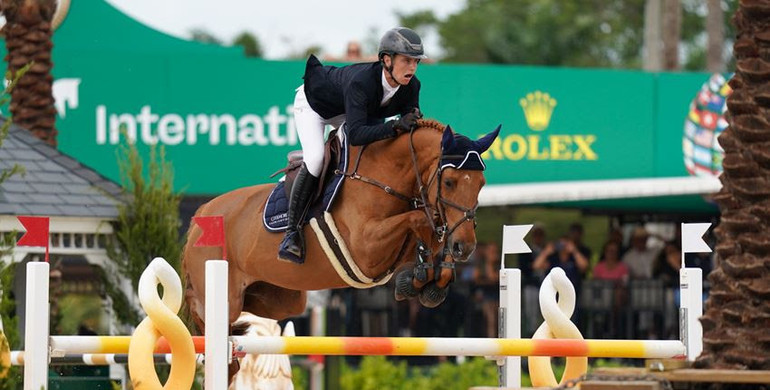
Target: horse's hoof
[
  {"x": 232, "y": 370},
  {"x": 432, "y": 295},
  {"x": 404, "y": 287}
]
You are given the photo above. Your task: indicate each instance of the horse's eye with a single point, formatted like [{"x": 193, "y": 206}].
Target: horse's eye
[{"x": 449, "y": 183}]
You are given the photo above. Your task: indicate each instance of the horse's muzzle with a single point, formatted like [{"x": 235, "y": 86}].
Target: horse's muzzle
[{"x": 461, "y": 251}]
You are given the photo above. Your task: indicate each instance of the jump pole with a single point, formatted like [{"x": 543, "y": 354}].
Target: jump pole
[
  {"x": 94, "y": 359},
  {"x": 399, "y": 346}
]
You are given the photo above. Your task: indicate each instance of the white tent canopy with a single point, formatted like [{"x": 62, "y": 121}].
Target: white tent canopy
[{"x": 568, "y": 191}]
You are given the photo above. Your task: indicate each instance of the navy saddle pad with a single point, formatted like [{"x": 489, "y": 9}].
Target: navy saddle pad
[{"x": 276, "y": 214}]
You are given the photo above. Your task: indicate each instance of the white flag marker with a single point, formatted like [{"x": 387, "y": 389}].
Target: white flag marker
[
  {"x": 513, "y": 239},
  {"x": 692, "y": 237}
]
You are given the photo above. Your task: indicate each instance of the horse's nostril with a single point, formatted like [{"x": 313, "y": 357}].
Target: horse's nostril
[{"x": 457, "y": 249}]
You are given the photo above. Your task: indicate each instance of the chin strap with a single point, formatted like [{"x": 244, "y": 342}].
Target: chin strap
[{"x": 390, "y": 69}]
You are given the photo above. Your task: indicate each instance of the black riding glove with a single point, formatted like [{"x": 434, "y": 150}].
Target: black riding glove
[{"x": 408, "y": 121}]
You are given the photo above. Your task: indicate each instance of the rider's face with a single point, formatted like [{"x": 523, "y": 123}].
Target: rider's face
[{"x": 404, "y": 68}]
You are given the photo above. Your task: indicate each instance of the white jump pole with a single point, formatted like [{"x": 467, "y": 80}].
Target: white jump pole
[
  {"x": 510, "y": 300},
  {"x": 37, "y": 308},
  {"x": 691, "y": 290},
  {"x": 218, "y": 353}
]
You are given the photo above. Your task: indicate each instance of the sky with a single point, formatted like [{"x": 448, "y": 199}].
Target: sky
[{"x": 285, "y": 26}]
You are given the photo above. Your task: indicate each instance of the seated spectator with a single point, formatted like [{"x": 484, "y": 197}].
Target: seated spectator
[
  {"x": 610, "y": 267},
  {"x": 639, "y": 257}
]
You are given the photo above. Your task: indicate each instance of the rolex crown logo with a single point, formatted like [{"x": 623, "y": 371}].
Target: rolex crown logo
[{"x": 538, "y": 107}]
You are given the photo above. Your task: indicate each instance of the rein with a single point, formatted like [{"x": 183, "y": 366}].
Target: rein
[{"x": 420, "y": 201}]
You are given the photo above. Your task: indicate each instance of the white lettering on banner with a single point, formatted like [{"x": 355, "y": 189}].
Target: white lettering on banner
[
  {"x": 291, "y": 136},
  {"x": 146, "y": 118},
  {"x": 65, "y": 95},
  {"x": 251, "y": 131},
  {"x": 274, "y": 120},
  {"x": 196, "y": 124},
  {"x": 171, "y": 129},
  {"x": 273, "y": 128}
]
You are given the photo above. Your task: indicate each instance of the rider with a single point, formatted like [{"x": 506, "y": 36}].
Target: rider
[{"x": 361, "y": 95}]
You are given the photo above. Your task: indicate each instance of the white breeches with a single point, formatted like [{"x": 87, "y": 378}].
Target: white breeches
[{"x": 311, "y": 131}]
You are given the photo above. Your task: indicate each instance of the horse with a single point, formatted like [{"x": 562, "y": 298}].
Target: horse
[{"x": 406, "y": 199}]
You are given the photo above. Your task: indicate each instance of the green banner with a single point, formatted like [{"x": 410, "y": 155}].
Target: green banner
[{"x": 226, "y": 121}]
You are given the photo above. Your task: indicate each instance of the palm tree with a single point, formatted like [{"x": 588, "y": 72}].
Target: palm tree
[
  {"x": 672, "y": 32},
  {"x": 715, "y": 31},
  {"x": 735, "y": 325},
  {"x": 27, "y": 33}
]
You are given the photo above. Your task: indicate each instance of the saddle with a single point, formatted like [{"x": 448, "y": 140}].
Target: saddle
[
  {"x": 332, "y": 149},
  {"x": 335, "y": 160}
]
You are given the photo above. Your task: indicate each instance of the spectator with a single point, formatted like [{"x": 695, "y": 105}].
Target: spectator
[
  {"x": 610, "y": 267},
  {"x": 353, "y": 53},
  {"x": 530, "y": 276},
  {"x": 666, "y": 268},
  {"x": 575, "y": 233},
  {"x": 667, "y": 265},
  {"x": 564, "y": 254},
  {"x": 487, "y": 280},
  {"x": 531, "y": 280},
  {"x": 640, "y": 257},
  {"x": 616, "y": 235},
  {"x": 467, "y": 274}
]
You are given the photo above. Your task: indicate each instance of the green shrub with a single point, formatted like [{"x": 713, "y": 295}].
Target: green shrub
[
  {"x": 377, "y": 372},
  {"x": 374, "y": 373}
]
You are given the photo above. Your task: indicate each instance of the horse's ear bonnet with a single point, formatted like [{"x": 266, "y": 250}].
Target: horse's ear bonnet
[{"x": 460, "y": 152}]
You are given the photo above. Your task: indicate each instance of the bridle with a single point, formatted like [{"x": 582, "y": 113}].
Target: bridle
[{"x": 436, "y": 217}]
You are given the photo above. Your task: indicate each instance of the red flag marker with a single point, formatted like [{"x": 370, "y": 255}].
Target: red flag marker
[
  {"x": 37, "y": 232},
  {"x": 213, "y": 232}
]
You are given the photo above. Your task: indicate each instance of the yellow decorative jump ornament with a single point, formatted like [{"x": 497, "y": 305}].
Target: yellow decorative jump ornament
[
  {"x": 161, "y": 319},
  {"x": 557, "y": 325}
]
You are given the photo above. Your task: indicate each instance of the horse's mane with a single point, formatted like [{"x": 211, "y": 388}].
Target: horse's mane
[{"x": 431, "y": 124}]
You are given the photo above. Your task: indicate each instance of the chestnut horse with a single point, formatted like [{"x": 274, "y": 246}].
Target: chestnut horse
[{"x": 401, "y": 193}]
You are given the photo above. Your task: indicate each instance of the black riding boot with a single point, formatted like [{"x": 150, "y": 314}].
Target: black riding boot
[{"x": 293, "y": 245}]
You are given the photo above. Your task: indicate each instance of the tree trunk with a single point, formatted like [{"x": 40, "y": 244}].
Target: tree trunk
[
  {"x": 672, "y": 31},
  {"x": 715, "y": 30},
  {"x": 652, "y": 40},
  {"x": 28, "y": 41},
  {"x": 735, "y": 325}
]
